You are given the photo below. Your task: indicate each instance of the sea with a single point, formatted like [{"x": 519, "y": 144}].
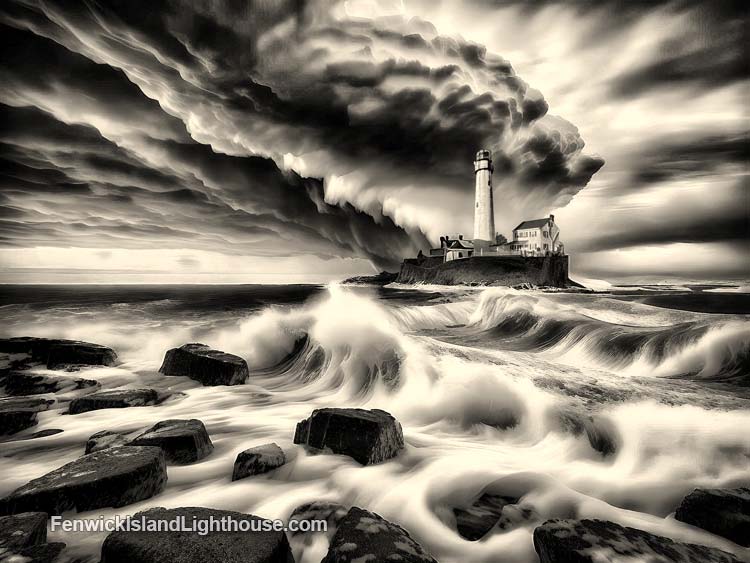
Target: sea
[{"x": 611, "y": 405}]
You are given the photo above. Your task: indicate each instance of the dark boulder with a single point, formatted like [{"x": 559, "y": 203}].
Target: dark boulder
[
  {"x": 22, "y": 530},
  {"x": 42, "y": 553},
  {"x": 257, "y": 460},
  {"x": 57, "y": 353},
  {"x": 590, "y": 541},
  {"x": 183, "y": 441},
  {"x": 17, "y": 414},
  {"x": 105, "y": 439},
  {"x": 724, "y": 512},
  {"x": 113, "y": 477},
  {"x": 40, "y": 434},
  {"x": 368, "y": 436},
  {"x": 18, "y": 383},
  {"x": 208, "y": 366},
  {"x": 365, "y": 536},
  {"x": 114, "y": 399},
  {"x": 475, "y": 521},
  {"x": 255, "y": 546}
]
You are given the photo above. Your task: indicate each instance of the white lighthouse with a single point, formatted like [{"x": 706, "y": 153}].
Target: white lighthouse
[{"x": 484, "y": 211}]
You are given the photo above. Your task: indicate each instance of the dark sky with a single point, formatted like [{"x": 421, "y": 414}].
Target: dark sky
[{"x": 228, "y": 140}]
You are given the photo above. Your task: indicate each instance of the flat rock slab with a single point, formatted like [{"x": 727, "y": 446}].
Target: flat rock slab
[
  {"x": 364, "y": 536},
  {"x": 592, "y": 541},
  {"x": 22, "y": 530},
  {"x": 475, "y": 521},
  {"x": 190, "y": 547},
  {"x": 17, "y": 414},
  {"x": 58, "y": 353},
  {"x": 204, "y": 364},
  {"x": 114, "y": 399},
  {"x": 183, "y": 441},
  {"x": 257, "y": 460},
  {"x": 724, "y": 512},
  {"x": 19, "y": 383},
  {"x": 114, "y": 477},
  {"x": 368, "y": 436}
]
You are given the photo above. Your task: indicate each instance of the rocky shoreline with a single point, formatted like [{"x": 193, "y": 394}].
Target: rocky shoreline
[{"x": 120, "y": 467}]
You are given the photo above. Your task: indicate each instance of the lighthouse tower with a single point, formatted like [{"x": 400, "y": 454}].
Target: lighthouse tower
[{"x": 484, "y": 211}]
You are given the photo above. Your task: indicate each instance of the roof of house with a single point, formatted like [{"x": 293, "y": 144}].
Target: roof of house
[
  {"x": 533, "y": 224},
  {"x": 460, "y": 244}
]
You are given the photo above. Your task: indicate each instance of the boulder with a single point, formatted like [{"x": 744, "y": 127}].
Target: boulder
[
  {"x": 24, "y": 383},
  {"x": 22, "y": 530},
  {"x": 17, "y": 414},
  {"x": 114, "y": 399},
  {"x": 105, "y": 439},
  {"x": 724, "y": 512},
  {"x": 57, "y": 353},
  {"x": 113, "y": 477},
  {"x": 257, "y": 460},
  {"x": 42, "y": 553},
  {"x": 183, "y": 441},
  {"x": 210, "y": 367},
  {"x": 368, "y": 436},
  {"x": 365, "y": 536},
  {"x": 475, "y": 521},
  {"x": 255, "y": 546},
  {"x": 40, "y": 434},
  {"x": 591, "y": 541}
]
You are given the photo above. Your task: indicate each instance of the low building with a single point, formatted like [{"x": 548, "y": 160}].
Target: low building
[
  {"x": 453, "y": 247},
  {"x": 537, "y": 237}
]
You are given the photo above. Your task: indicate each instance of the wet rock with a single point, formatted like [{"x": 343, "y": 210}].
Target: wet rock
[
  {"x": 41, "y": 434},
  {"x": 22, "y": 530},
  {"x": 474, "y": 522},
  {"x": 590, "y": 541},
  {"x": 42, "y": 553},
  {"x": 17, "y": 414},
  {"x": 257, "y": 460},
  {"x": 18, "y": 383},
  {"x": 203, "y": 364},
  {"x": 365, "y": 536},
  {"x": 183, "y": 441},
  {"x": 105, "y": 439},
  {"x": 368, "y": 436},
  {"x": 332, "y": 512},
  {"x": 57, "y": 353},
  {"x": 724, "y": 512},
  {"x": 114, "y": 477},
  {"x": 114, "y": 399},
  {"x": 256, "y": 546},
  {"x": 600, "y": 432}
]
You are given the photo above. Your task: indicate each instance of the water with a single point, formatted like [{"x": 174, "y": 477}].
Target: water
[{"x": 489, "y": 385}]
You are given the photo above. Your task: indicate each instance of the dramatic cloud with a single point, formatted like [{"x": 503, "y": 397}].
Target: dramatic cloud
[{"x": 346, "y": 130}]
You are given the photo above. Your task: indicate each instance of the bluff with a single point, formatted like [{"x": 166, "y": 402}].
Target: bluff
[{"x": 551, "y": 271}]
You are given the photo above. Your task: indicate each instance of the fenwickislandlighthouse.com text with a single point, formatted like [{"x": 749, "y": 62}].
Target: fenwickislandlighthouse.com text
[{"x": 201, "y": 526}]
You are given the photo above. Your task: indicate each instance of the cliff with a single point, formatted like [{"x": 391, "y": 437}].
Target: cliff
[{"x": 549, "y": 271}]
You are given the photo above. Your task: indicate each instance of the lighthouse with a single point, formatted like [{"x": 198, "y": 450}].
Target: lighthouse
[{"x": 484, "y": 211}]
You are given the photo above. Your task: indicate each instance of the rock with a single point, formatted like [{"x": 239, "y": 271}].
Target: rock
[
  {"x": 365, "y": 536},
  {"x": 210, "y": 367},
  {"x": 56, "y": 353},
  {"x": 724, "y": 512},
  {"x": 256, "y": 546},
  {"x": 368, "y": 436},
  {"x": 41, "y": 434},
  {"x": 591, "y": 541},
  {"x": 383, "y": 278},
  {"x": 332, "y": 512},
  {"x": 105, "y": 439},
  {"x": 257, "y": 460},
  {"x": 114, "y": 477},
  {"x": 17, "y": 414},
  {"x": 600, "y": 432},
  {"x": 474, "y": 522},
  {"x": 183, "y": 441},
  {"x": 114, "y": 399},
  {"x": 24, "y": 383},
  {"x": 22, "y": 530}
]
